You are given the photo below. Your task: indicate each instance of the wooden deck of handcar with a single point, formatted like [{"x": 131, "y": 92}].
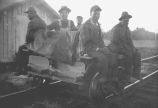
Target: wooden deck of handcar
[{"x": 68, "y": 73}]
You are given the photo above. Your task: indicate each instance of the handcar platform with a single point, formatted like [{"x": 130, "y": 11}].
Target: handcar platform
[{"x": 40, "y": 67}]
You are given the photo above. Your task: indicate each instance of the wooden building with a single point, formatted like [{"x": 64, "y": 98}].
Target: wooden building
[{"x": 14, "y": 22}]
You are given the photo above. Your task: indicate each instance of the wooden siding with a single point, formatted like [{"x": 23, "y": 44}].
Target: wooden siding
[{"x": 13, "y": 27}]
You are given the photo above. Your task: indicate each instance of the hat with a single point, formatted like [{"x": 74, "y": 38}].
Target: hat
[
  {"x": 79, "y": 17},
  {"x": 125, "y": 15},
  {"x": 30, "y": 10},
  {"x": 64, "y": 8},
  {"x": 95, "y": 8}
]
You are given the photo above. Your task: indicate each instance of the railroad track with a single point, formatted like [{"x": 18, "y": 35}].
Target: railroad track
[
  {"x": 147, "y": 90},
  {"x": 143, "y": 93}
]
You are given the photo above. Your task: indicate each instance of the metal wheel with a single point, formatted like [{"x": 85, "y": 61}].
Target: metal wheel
[{"x": 100, "y": 88}]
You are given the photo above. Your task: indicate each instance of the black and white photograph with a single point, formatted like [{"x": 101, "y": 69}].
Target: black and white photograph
[{"x": 78, "y": 54}]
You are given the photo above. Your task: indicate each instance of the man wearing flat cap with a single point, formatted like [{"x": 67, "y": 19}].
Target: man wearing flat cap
[
  {"x": 35, "y": 31},
  {"x": 121, "y": 43},
  {"x": 36, "y": 26},
  {"x": 91, "y": 40}
]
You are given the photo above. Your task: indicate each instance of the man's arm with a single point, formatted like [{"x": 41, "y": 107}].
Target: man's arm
[
  {"x": 54, "y": 26},
  {"x": 101, "y": 40},
  {"x": 115, "y": 41},
  {"x": 73, "y": 27},
  {"x": 84, "y": 35},
  {"x": 28, "y": 34},
  {"x": 37, "y": 24}
]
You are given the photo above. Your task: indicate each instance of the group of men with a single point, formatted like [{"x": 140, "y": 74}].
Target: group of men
[{"x": 90, "y": 37}]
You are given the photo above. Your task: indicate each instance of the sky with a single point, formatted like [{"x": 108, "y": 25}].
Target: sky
[{"x": 144, "y": 12}]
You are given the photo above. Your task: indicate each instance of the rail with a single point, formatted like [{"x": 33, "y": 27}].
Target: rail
[
  {"x": 140, "y": 80},
  {"x": 148, "y": 58},
  {"x": 24, "y": 91}
]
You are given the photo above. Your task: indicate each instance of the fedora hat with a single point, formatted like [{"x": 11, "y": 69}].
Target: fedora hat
[
  {"x": 125, "y": 15},
  {"x": 31, "y": 10},
  {"x": 64, "y": 8}
]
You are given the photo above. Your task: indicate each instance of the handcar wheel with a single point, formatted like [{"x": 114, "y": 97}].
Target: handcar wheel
[
  {"x": 100, "y": 88},
  {"x": 94, "y": 92}
]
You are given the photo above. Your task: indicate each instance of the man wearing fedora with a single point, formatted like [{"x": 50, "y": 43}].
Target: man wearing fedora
[
  {"x": 36, "y": 28},
  {"x": 121, "y": 43}
]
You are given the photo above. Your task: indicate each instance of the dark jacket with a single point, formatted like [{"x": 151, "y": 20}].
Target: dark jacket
[
  {"x": 35, "y": 27},
  {"x": 121, "y": 41},
  {"x": 91, "y": 38}
]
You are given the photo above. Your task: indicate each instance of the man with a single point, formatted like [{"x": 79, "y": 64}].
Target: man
[
  {"x": 121, "y": 43},
  {"x": 35, "y": 31},
  {"x": 63, "y": 23},
  {"x": 63, "y": 26},
  {"x": 91, "y": 41},
  {"x": 75, "y": 47},
  {"x": 79, "y": 20}
]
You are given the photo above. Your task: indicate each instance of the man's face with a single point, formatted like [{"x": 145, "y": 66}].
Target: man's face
[
  {"x": 64, "y": 14},
  {"x": 125, "y": 21},
  {"x": 95, "y": 15},
  {"x": 79, "y": 20},
  {"x": 30, "y": 15}
]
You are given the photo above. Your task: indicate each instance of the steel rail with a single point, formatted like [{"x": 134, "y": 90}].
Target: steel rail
[
  {"x": 24, "y": 91},
  {"x": 148, "y": 58},
  {"x": 140, "y": 80}
]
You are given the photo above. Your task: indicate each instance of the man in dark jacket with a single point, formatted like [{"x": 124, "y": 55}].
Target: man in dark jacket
[
  {"x": 91, "y": 41},
  {"x": 121, "y": 43},
  {"x": 36, "y": 28}
]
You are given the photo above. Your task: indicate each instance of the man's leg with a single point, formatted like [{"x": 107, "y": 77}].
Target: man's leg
[
  {"x": 22, "y": 60},
  {"x": 125, "y": 72},
  {"x": 136, "y": 65},
  {"x": 91, "y": 70}
]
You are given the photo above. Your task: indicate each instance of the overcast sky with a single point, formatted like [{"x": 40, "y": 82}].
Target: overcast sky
[{"x": 144, "y": 12}]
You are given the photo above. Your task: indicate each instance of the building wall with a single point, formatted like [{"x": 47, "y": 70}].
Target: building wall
[{"x": 13, "y": 27}]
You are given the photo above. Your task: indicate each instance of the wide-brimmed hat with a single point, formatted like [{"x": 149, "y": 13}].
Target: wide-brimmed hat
[
  {"x": 95, "y": 8},
  {"x": 31, "y": 10},
  {"x": 125, "y": 15},
  {"x": 64, "y": 8}
]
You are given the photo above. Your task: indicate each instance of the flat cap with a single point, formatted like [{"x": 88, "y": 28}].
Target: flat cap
[
  {"x": 31, "y": 10},
  {"x": 95, "y": 8},
  {"x": 64, "y": 8}
]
